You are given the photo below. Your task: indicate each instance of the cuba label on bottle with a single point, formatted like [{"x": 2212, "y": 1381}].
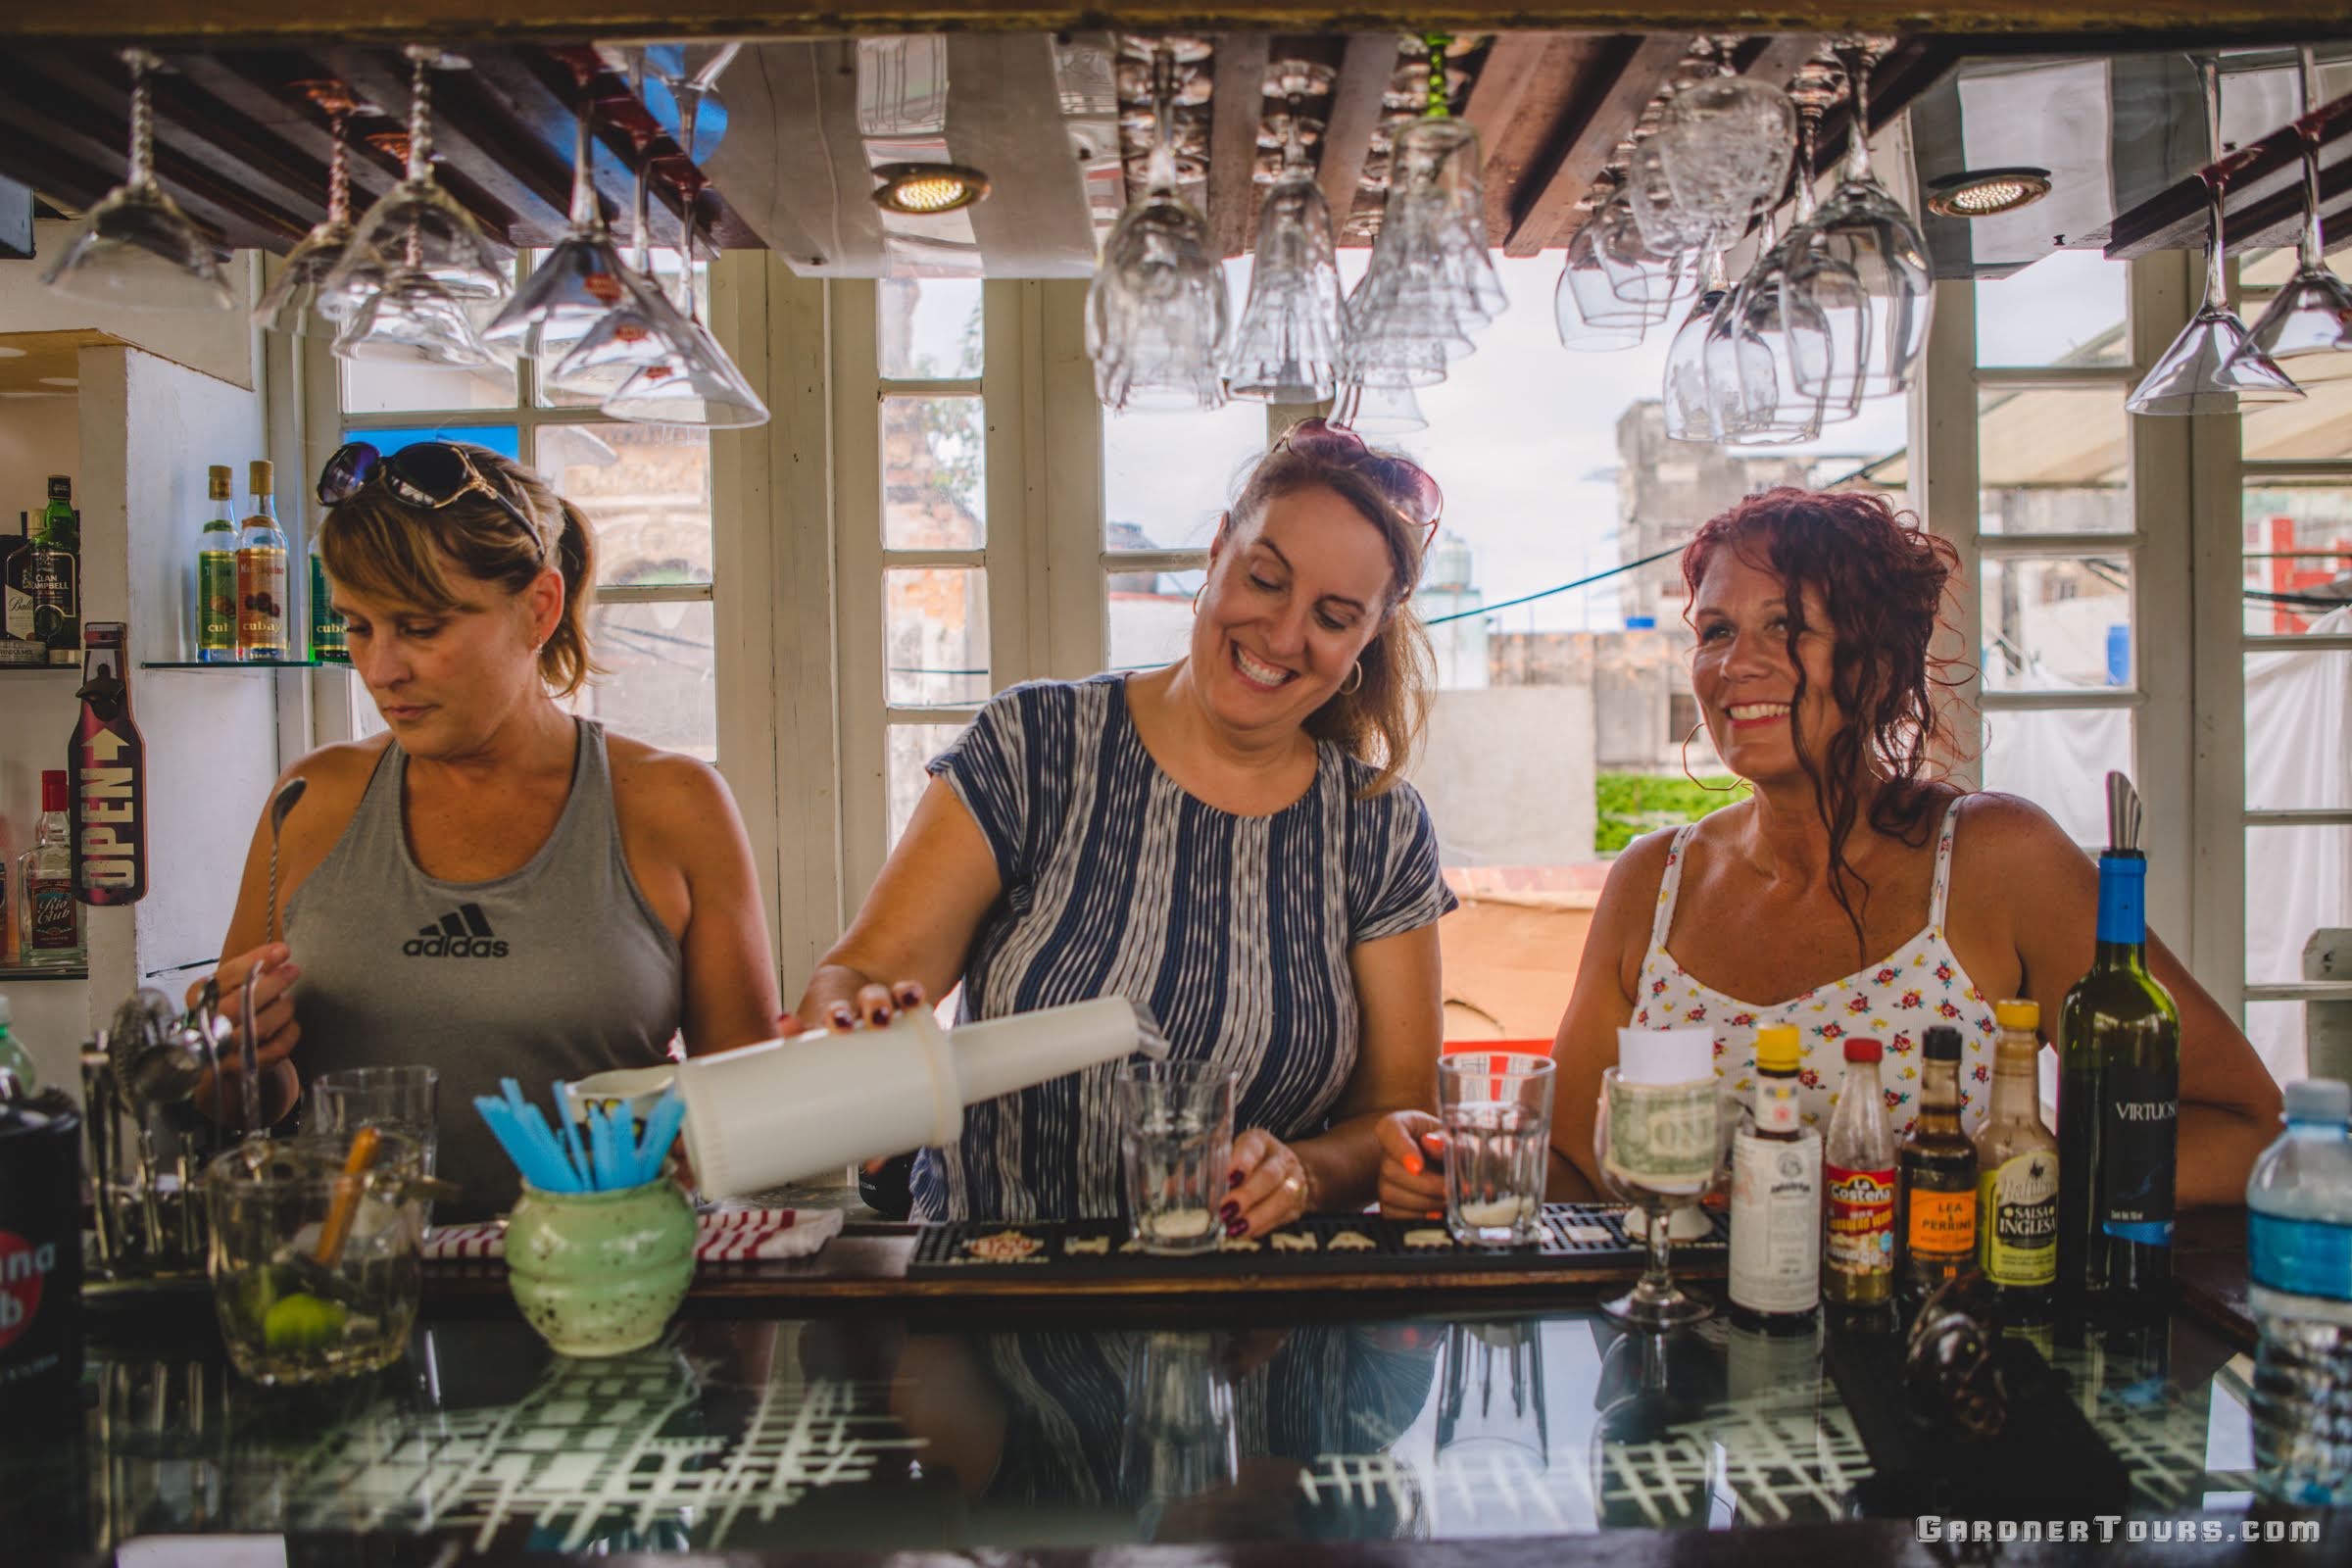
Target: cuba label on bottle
[
  {"x": 2141, "y": 1113},
  {"x": 2017, "y": 1205},
  {"x": 1776, "y": 1224},
  {"x": 1861, "y": 1223},
  {"x": 262, "y": 603},
  {"x": 216, "y": 601},
  {"x": 329, "y": 642}
]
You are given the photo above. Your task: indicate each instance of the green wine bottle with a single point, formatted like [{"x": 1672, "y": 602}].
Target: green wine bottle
[{"x": 2119, "y": 1091}]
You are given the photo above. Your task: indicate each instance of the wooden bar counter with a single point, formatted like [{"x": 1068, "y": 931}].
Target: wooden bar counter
[{"x": 836, "y": 1408}]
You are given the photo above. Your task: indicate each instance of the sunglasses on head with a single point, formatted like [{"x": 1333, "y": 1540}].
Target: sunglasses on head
[
  {"x": 427, "y": 476},
  {"x": 1402, "y": 479}
]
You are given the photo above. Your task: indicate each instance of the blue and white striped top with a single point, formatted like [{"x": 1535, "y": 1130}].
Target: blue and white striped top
[{"x": 1234, "y": 930}]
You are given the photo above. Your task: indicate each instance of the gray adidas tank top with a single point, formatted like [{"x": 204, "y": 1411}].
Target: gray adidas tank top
[{"x": 557, "y": 970}]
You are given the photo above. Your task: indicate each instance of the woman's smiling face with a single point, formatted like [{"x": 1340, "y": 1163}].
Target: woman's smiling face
[
  {"x": 1292, "y": 599},
  {"x": 1743, "y": 676}
]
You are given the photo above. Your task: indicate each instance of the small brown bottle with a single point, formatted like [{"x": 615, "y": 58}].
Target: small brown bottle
[{"x": 1936, "y": 1215}]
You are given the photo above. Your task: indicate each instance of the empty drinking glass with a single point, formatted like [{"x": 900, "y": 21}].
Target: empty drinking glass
[
  {"x": 1176, "y": 1142},
  {"x": 1179, "y": 1440},
  {"x": 1287, "y": 349},
  {"x": 137, "y": 248},
  {"x": 576, "y": 283},
  {"x": 419, "y": 226},
  {"x": 1723, "y": 148},
  {"x": 2312, "y": 313},
  {"x": 400, "y": 1100},
  {"x": 301, "y": 284},
  {"x": 1495, "y": 1108}
]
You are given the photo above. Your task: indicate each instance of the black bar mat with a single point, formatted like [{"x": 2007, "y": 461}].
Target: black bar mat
[{"x": 1320, "y": 1243}]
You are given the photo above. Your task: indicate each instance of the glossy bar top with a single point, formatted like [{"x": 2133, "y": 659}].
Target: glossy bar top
[{"x": 960, "y": 1426}]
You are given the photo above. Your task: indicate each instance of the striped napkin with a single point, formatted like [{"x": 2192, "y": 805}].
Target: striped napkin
[{"x": 728, "y": 1236}]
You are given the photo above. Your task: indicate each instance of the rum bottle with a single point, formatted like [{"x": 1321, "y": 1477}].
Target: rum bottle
[
  {"x": 1937, "y": 1205},
  {"x": 1776, "y": 1198},
  {"x": 2119, "y": 1091},
  {"x": 49, "y": 920},
  {"x": 2017, "y": 1171},
  {"x": 1858, "y": 1168},
  {"x": 328, "y": 643},
  {"x": 53, "y": 574},
  {"x": 110, "y": 777},
  {"x": 262, "y": 574},
  {"x": 216, "y": 573}
]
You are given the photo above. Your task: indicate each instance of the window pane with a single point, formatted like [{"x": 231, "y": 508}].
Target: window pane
[
  {"x": 928, "y": 328},
  {"x": 2060, "y": 625},
  {"x": 2053, "y": 461},
  {"x": 2281, "y": 1034},
  {"x": 2298, "y": 880},
  {"x": 2269, "y": 268},
  {"x": 934, "y": 474},
  {"x": 504, "y": 439},
  {"x": 1151, "y": 617},
  {"x": 2317, "y": 430},
  {"x": 2059, "y": 758},
  {"x": 401, "y": 388},
  {"x": 666, "y": 265},
  {"x": 935, "y": 636},
  {"x": 656, "y": 686},
  {"x": 2300, "y": 729},
  {"x": 2299, "y": 558},
  {"x": 647, "y": 491},
  {"x": 2066, "y": 309},
  {"x": 910, "y": 748}
]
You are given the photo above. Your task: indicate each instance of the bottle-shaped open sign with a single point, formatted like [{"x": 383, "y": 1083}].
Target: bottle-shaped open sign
[{"x": 109, "y": 764}]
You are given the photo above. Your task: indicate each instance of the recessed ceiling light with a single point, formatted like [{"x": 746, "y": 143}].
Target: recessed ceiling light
[
  {"x": 926, "y": 190},
  {"x": 1984, "y": 193},
  {"x": 60, "y": 380}
]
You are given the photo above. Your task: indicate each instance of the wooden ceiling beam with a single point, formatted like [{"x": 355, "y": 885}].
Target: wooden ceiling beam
[
  {"x": 1236, "y": 109},
  {"x": 1631, "y": 67},
  {"x": 161, "y": 24},
  {"x": 1366, "y": 66},
  {"x": 254, "y": 84},
  {"x": 520, "y": 204},
  {"x": 1524, "y": 93},
  {"x": 2264, "y": 199}
]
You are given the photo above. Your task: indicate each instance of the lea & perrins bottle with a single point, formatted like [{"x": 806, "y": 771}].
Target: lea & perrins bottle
[
  {"x": 2017, "y": 1169},
  {"x": 1937, "y": 1205},
  {"x": 1776, "y": 1198},
  {"x": 2119, "y": 1092},
  {"x": 1858, "y": 1171}
]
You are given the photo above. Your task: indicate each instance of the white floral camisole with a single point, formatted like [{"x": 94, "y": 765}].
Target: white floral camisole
[{"x": 1896, "y": 1001}]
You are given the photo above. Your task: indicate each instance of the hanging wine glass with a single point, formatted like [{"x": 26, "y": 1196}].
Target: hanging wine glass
[
  {"x": 1723, "y": 148},
  {"x": 1667, "y": 230},
  {"x": 1157, "y": 310},
  {"x": 1863, "y": 234},
  {"x": 301, "y": 287},
  {"x": 1636, "y": 273},
  {"x": 137, "y": 248},
  {"x": 2208, "y": 369},
  {"x": 576, "y": 282},
  {"x": 1287, "y": 349},
  {"x": 700, "y": 386},
  {"x": 1378, "y": 410},
  {"x": 420, "y": 223},
  {"x": 1689, "y": 404},
  {"x": 2312, "y": 313}
]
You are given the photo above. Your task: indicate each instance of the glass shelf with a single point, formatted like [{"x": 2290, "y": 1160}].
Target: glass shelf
[
  {"x": 9, "y": 973},
  {"x": 243, "y": 663},
  {"x": 73, "y": 669}
]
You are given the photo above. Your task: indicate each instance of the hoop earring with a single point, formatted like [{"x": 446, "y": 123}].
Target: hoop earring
[
  {"x": 1712, "y": 789},
  {"x": 1197, "y": 593},
  {"x": 1355, "y": 672}
]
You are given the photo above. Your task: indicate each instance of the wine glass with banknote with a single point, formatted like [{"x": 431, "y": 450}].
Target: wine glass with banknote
[{"x": 1662, "y": 1149}]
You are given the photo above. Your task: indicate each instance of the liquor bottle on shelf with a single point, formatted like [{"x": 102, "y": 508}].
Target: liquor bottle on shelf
[
  {"x": 328, "y": 644},
  {"x": 48, "y": 918},
  {"x": 1776, "y": 1199},
  {"x": 217, "y": 573},
  {"x": 262, "y": 573},
  {"x": 1938, "y": 1201},
  {"x": 2299, "y": 1277},
  {"x": 1858, "y": 1168},
  {"x": 19, "y": 645},
  {"x": 2017, "y": 1171},
  {"x": 2119, "y": 1092},
  {"x": 110, "y": 782},
  {"x": 53, "y": 574}
]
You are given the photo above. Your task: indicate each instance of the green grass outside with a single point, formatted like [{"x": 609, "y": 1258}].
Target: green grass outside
[{"x": 1634, "y": 804}]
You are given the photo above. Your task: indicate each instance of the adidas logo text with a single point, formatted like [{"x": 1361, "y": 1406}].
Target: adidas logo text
[{"x": 462, "y": 932}]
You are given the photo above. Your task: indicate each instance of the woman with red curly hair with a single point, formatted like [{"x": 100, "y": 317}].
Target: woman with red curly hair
[{"x": 1854, "y": 890}]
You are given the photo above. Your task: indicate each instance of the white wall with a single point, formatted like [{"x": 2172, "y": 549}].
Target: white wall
[
  {"x": 219, "y": 343},
  {"x": 1507, "y": 774}
]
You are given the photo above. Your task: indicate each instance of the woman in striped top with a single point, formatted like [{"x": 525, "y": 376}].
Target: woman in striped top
[{"x": 1226, "y": 840}]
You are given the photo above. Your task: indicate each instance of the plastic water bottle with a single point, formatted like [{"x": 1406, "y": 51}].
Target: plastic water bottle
[{"x": 2299, "y": 1257}]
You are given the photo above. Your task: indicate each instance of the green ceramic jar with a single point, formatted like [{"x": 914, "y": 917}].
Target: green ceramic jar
[{"x": 599, "y": 1273}]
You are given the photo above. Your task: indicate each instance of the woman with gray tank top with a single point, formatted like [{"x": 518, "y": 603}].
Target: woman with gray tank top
[{"x": 493, "y": 887}]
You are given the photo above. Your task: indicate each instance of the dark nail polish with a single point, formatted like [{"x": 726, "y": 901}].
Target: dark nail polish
[
  {"x": 1237, "y": 1228},
  {"x": 907, "y": 997},
  {"x": 843, "y": 1017},
  {"x": 880, "y": 1016},
  {"x": 1230, "y": 1212},
  {"x": 1233, "y": 1178}
]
